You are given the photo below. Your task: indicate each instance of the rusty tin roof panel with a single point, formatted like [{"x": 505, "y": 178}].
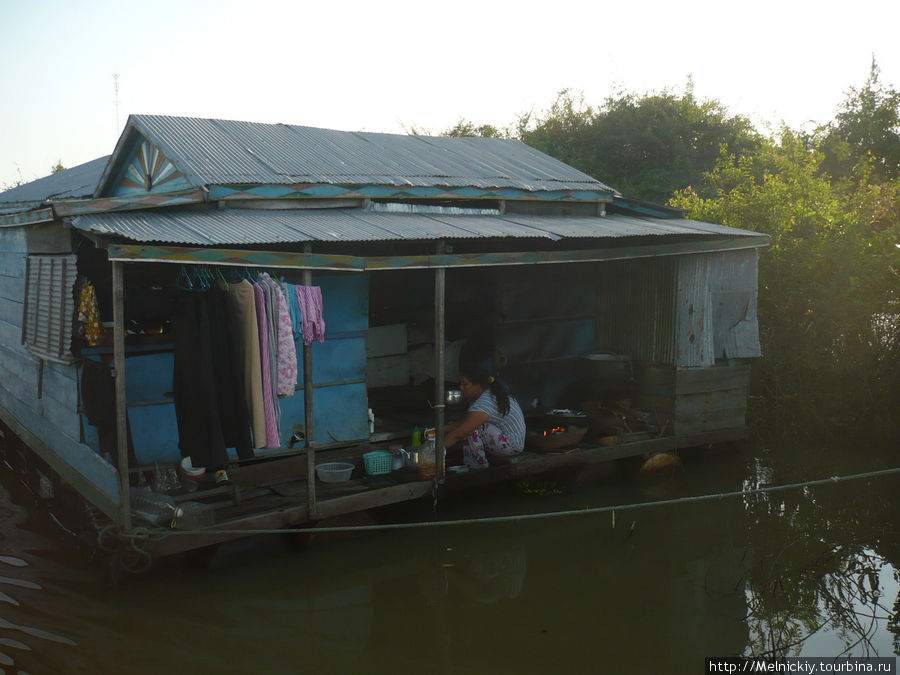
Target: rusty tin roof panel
[{"x": 257, "y": 226}]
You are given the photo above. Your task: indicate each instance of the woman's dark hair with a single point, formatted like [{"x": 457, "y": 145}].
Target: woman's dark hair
[{"x": 480, "y": 373}]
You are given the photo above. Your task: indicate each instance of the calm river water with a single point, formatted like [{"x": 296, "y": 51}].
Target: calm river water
[{"x": 801, "y": 572}]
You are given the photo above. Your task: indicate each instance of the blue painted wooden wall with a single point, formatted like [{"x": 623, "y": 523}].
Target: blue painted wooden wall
[{"x": 339, "y": 370}]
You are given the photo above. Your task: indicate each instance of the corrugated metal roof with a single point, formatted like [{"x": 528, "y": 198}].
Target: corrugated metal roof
[
  {"x": 224, "y": 152},
  {"x": 79, "y": 181},
  {"x": 256, "y": 226}
]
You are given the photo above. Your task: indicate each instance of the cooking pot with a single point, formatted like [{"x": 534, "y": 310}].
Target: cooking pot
[
  {"x": 454, "y": 397},
  {"x": 566, "y": 417}
]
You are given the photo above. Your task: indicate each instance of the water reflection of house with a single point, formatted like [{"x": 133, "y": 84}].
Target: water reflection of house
[{"x": 416, "y": 243}]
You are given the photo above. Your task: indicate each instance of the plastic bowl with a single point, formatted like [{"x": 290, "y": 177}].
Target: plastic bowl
[
  {"x": 190, "y": 472},
  {"x": 334, "y": 472}
]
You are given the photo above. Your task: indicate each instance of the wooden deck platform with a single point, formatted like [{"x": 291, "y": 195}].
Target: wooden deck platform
[{"x": 272, "y": 494}]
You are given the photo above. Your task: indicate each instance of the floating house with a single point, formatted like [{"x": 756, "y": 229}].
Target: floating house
[{"x": 626, "y": 314}]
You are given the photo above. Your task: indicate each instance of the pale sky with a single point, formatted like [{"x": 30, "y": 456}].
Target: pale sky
[{"x": 388, "y": 66}]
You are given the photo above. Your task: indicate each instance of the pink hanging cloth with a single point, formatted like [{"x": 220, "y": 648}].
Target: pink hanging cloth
[
  {"x": 287, "y": 350},
  {"x": 313, "y": 321},
  {"x": 273, "y": 440}
]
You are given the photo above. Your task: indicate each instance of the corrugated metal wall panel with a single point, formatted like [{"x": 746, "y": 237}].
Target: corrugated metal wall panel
[
  {"x": 694, "y": 312},
  {"x": 637, "y": 309},
  {"x": 49, "y": 306}
]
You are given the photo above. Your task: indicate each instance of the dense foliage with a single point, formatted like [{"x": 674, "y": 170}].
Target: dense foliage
[
  {"x": 829, "y": 280},
  {"x": 829, "y": 200},
  {"x": 646, "y": 147}
]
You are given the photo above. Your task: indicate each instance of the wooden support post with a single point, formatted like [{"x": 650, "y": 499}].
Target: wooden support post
[
  {"x": 439, "y": 367},
  {"x": 40, "y": 388},
  {"x": 118, "y": 288},
  {"x": 308, "y": 411}
]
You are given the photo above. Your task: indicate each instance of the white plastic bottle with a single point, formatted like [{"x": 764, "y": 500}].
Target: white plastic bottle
[
  {"x": 193, "y": 516},
  {"x": 158, "y": 509},
  {"x": 152, "y": 507}
]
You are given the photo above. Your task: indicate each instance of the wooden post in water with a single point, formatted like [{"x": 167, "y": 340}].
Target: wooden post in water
[
  {"x": 308, "y": 411},
  {"x": 118, "y": 289},
  {"x": 439, "y": 367}
]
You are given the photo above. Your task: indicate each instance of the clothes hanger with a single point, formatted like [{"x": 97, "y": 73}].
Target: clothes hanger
[{"x": 183, "y": 281}]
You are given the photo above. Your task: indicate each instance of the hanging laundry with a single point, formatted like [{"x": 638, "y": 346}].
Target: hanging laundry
[
  {"x": 272, "y": 331},
  {"x": 228, "y": 373},
  {"x": 313, "y": 321},
  {"x": 296, "y": 315},
  {"x": 88, "y": 314},
  {"x": 262, "y": 317},
  {"x": 287, "y": 351},
  {"x": 196, "y": 401},
  {"x": 242, "y": 303}
]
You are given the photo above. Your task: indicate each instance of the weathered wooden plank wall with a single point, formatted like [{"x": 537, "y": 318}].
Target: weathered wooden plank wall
[
  {"x": 13, "y": 249},
  {"x": 12, "y": 264},
  {"x": 44, "y": 406},
  {"x": 695, "y": 399}
]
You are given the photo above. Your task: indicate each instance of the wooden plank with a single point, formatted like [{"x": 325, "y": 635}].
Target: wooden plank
[
  {"x": 21, "y": 381},
  {"x": 697, "y": 380},
  {"x": 12, "y": 288},
  {"x": 118, "y": 284},
  {"x": 60, "y": 383},
  {"x": 440, "y": 296},
  {"x": 13, "y": 264},
  {"x": 61, "y": 416},
  {"x": 234, "y": 257},
  {"x": 11, "y": 336},
  {"x": 19, "y": 373},
  {"x": 709, "y": 402},
  {"x": 11, "y": 311},
  {"x": 76, "y": 464},
  {"x": 297, "y": 515},
  {"x": 148, "y": 200},
  {"x": 278, "y": 259},
  {"x": 719, "y": 419},
  {"x": 282, "y": 470},
  {"x": 404, "y": 492},
  {"x": 49, "y": 238},
  {"x": 13, "y": 240},
  {"x": 16, "y": 220},
  {"x": 64, "y": 370}
]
